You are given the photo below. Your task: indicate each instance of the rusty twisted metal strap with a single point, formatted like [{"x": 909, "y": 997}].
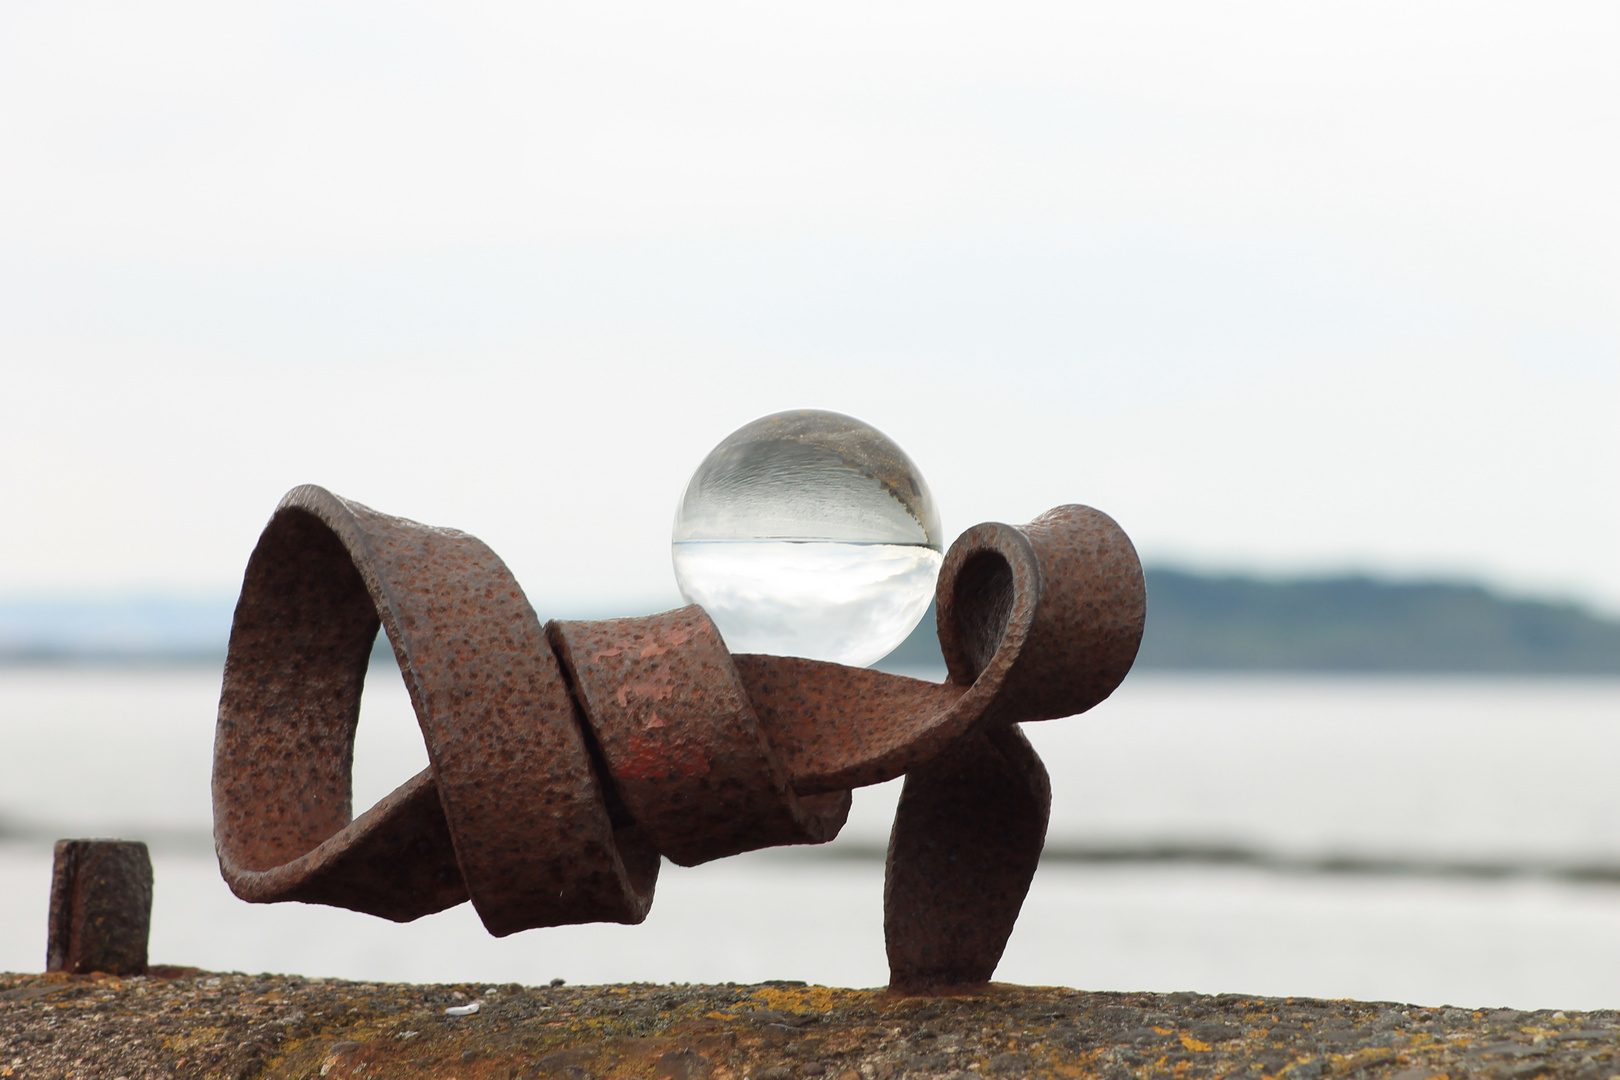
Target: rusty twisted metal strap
[
  {"x": 510, "y": 813},
  {"x": 681, "y": 740},
  {"x": 1036, "y": 623},
  {"x": 565, "y": 761}
]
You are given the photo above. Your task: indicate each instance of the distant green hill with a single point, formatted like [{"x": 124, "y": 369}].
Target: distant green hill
[
  {"x": 1194, "y": 622},
  {"x": 1348, "y": 624}
]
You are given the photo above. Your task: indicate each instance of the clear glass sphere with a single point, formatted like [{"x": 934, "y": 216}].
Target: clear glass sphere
[{"x": 809, "y": 533}]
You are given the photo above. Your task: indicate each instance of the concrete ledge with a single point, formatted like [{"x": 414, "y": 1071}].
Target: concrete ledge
[{"x": 186, "y": 1023}]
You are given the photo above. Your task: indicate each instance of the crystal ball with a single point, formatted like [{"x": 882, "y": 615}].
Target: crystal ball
[{"x": 809, "y": 533}]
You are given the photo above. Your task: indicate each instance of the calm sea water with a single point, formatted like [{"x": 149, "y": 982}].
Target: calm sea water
[{"x": 1424, "y": 774}]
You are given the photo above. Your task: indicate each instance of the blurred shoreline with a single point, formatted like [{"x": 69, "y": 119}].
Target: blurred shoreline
[
  {"x": 1210, "y": 623},
  {"x": 22, "y": 835},
  {"x": 1322, "y": 833}
]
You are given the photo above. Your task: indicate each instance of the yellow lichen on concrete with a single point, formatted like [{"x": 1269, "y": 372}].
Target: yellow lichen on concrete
[{"x": 240, "y": 1027}]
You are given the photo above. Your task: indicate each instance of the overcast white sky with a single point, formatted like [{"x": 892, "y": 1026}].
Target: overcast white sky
[{"x": 1284, "y": 287}]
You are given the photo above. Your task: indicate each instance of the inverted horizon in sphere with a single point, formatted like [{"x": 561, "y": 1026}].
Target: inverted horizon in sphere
[{"x": 808, "y": 533}]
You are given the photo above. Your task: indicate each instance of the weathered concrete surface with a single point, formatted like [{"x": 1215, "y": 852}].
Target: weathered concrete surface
[{"x": 183, "y": 1023}]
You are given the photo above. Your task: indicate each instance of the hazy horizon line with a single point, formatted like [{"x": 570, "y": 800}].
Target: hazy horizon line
[{"x": 138, "y": 595}]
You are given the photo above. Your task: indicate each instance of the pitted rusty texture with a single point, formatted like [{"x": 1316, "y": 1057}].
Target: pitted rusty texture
[
  {"x": 680, "y": 740},
  {"x": 509, "y": 814},
  {"x": 564, "y": 762},
  {"x": 101, "y": 907}
]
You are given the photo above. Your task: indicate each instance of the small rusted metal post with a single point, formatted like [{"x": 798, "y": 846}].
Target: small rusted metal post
[{"x": 101, "y": 907}]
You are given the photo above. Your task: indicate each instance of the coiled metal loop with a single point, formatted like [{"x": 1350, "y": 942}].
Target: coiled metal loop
[{"x": 566, "y": 759}]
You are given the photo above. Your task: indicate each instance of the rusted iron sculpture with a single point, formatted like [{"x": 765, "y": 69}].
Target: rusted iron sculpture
[{"x": 567, "y": 758}]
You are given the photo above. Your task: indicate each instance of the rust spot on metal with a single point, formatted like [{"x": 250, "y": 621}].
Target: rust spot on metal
[
  {"x": 680, "y": 739},
  {"x": 567, "y": 760}
]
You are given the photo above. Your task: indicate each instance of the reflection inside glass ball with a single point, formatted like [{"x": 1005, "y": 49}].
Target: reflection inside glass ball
[{"x": 809, "y": 533}]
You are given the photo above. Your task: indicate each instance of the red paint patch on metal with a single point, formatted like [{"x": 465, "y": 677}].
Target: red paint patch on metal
[{"x": 565, "y": 762}]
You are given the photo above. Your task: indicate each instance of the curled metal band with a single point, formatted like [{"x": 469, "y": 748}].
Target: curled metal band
[{"x": 566, "y": 759}]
